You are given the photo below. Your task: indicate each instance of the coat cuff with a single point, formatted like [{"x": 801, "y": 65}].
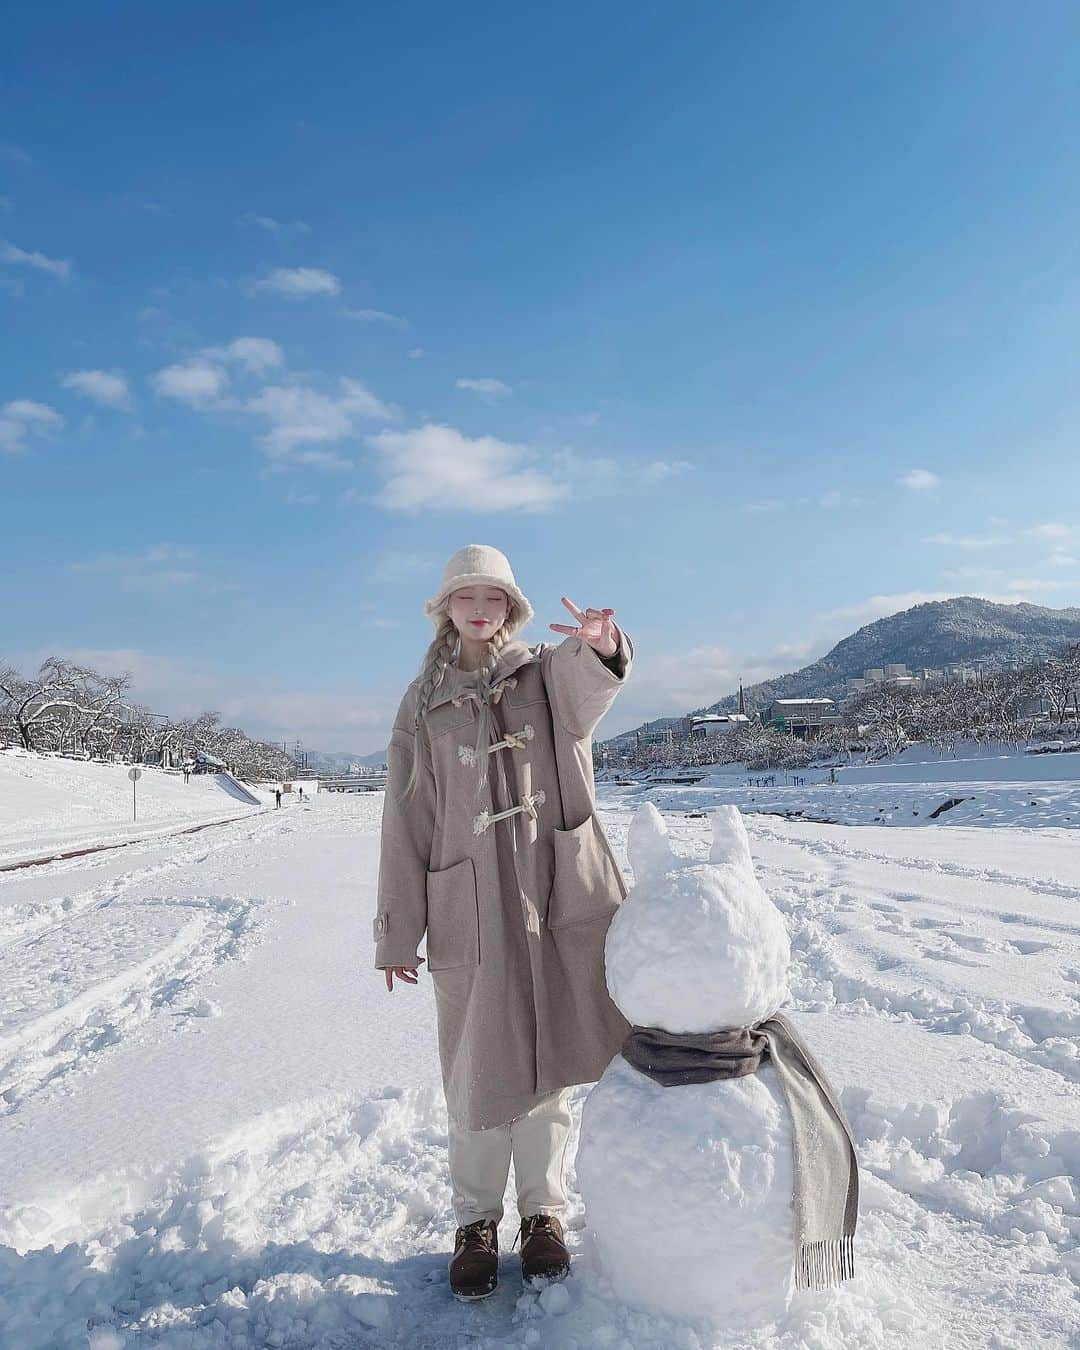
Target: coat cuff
[
  {"x": 616, "y": 662},
  {"x": 386, "y": 953}
]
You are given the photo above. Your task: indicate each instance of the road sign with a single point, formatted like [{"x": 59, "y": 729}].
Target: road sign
[{"x": 134, "y": 774}]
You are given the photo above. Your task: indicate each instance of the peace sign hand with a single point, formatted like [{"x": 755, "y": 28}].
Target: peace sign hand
[{"x": 594, "y": 627}]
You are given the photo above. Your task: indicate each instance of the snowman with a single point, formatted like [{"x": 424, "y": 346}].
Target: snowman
[{"x": 716, "y": 1166}]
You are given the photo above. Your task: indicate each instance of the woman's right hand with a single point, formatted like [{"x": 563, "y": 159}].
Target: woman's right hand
[{"x": 406, "y": 974}]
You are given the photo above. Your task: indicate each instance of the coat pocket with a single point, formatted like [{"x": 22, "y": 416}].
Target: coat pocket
[
  {"x": 587, "y": 884},
  {"x": 453, "y": 922}
]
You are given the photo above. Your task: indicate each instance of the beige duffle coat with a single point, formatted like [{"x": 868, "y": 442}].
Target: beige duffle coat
[{"x": 515, "y": 909}]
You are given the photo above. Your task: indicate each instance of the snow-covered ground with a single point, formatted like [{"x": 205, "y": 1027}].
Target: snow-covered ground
[
  {"x": 217, "y": 1128},
  {"x": 995, "y": 787},
  {"x": 49, "y": 804}
]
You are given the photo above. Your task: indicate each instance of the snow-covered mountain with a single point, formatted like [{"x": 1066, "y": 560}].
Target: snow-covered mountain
[
  {"x": 938, "y": 633},
  {"x": 341, "y": 761}
]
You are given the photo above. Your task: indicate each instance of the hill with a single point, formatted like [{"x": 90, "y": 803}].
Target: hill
[{"x": 938, "y": 633}]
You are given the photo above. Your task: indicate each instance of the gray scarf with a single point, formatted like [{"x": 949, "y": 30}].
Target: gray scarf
[{"x": 826, "y": 1166}]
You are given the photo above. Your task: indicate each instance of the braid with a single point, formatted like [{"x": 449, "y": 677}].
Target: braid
[
  {"x": 494, "y": 645},
  {"x": 438, "y": 656}
]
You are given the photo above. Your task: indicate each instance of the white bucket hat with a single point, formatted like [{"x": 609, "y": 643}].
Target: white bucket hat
[{"x": 480, "y": 565}]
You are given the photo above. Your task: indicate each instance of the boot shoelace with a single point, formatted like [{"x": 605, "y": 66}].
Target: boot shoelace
[
  {"x": 475, "y": 1235},
  {"x": 530, "y": 1225}
]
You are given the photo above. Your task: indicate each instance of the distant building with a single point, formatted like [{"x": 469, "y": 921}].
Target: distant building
[
  {"x": 664, "y": 736},
  {"x": 716, "y": 724},
  {"x": 897, "y": 676},
  {"x": 204, "y": 762},
  {"x": 804, "y": 717}
]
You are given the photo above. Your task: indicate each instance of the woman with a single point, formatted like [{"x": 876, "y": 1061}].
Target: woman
[{"x": 491, "y": 845}]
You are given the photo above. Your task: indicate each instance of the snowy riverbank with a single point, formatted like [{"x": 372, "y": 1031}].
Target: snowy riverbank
[
  {"x": 979, "y": 786},
  {"x": 218, "y": 1129},
  {"x": 52, "y": 804}
]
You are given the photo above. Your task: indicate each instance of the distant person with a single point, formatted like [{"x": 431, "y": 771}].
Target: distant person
[
  {"x": 301, "y": 794},
  {"x": 277, "y": 796}
]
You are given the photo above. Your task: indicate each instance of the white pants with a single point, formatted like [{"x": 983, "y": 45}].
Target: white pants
[{"x": 480, "y": 1162}]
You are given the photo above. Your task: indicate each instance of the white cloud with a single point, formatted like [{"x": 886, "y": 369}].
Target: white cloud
[
  {"x": 436, "y": 468},
  {"x": 257, "y": 355},
  {"x": 965, "y": 574},
  {"x": 877, "y": 607},
  {"x": 101, "y": 386},
  {"x": 323, "y": 721},
  {"x": 835, "y": 499},
  {"x": 1033, "y": 585},
  {"x": 155, "y": 569},
  {"x": 106, "y": 660},
  {"x": 417, "y": 354},
  {"x": 965, "y": 541},
  {"x": 606, "y": 474},
  {"x": 273, "y": 226},
  {"x": 322, "y": 459},
  {"x": 1050, "y": 529},
  {"x": 659, "y": 469},
  {"x": 300, "y": 415},
  {"x": 488, "y": 388},
  {"x": 198, "y": 382},
  {"x": 397, "y": 566},
  {"x": 6, "y": 204},
  {"x": 919, "y": 480},
  {"x": 376, "y": 316},
  {"x": 762, "y": 507},
  {"x": 1059, "y": 558},
  {"x": 294, "y": 413},
  {"x": 201, "y": 381},
  {"x": 151, "y": 557},
  {"x": 137, "y": 206},
  {"x": 299, "y": 283},
  {"x": 38, "y": 415},
  {"x": 22, "y": 418},
  {"x": 170, "y": 579},
  {"x": 56, "y": 266}
]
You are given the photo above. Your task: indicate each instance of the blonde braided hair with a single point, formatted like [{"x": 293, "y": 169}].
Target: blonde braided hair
[{"x": 439, "y": 656}]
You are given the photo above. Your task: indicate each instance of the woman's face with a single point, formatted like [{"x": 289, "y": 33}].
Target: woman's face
[{"x": 490, "y": 604}]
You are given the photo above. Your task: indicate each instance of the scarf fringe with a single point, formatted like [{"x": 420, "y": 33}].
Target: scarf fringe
[{"x": 820, "y": 1265}]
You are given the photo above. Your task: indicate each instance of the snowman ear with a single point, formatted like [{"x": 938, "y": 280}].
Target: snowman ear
[
  {"x": 647, "y": 844},
  {"x": 730, "y": 843}
]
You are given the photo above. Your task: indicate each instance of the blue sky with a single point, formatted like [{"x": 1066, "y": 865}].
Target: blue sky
[{"x": 753, "y": 322}]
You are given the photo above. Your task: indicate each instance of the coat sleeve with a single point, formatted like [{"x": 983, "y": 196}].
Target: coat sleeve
[
  {"x": 582, "y": 685},
  {"x": 408, "y": 824}
]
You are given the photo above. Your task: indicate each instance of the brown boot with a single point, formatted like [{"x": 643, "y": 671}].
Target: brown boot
[
  {"x": 544, "y": 1254},
  {"x": 474, "y": 1267}
]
